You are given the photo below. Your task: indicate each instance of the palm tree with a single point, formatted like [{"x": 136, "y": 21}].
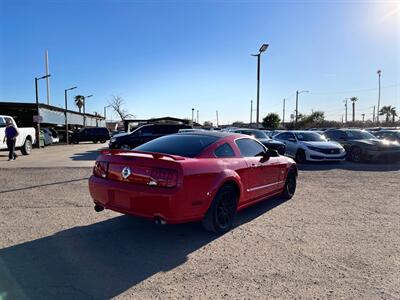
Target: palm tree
[
  {"x": 354, "y": 100},
  {"x": 79, "y": 100},
  {"x": 386, "y": 110},
  {"x": 393, "y": 113}
]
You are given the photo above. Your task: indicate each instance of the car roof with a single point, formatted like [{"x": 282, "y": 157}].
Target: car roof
[{"x": 218, "y": 134}]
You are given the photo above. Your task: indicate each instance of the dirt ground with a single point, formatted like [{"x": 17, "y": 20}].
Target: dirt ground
[{"x": 337, "y": 238}]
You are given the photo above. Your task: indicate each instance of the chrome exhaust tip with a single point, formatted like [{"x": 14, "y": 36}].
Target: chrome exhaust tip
[{"x": 159, "y": 221}]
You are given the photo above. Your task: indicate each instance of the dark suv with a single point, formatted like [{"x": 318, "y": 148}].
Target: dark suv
[
  {"x": 95, "y": 134},
  {"x": 143, "y": 135}
]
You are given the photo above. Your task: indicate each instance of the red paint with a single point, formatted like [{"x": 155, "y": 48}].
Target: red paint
[{"x": 185, "y": 187}]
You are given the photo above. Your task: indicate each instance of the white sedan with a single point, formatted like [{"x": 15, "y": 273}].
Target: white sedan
[{"x": 310, "y": 146}]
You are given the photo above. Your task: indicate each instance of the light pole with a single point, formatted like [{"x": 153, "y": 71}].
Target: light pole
[
  {"x": 379, "y": 72},
  {"x": 37, "y": 108},
  {"x": 283, "y": 112},
  {"x": 345, "y": 109},
  {"x": 105, "y": 110},
  {"x": 192, "y": 116},
  {"x": 297, "y": 103},
  {"x": 363, "y": 116},
  {"x": 263, "y": 48},
  {"x": 84, "y": 109},
  {"x": 66, "y": 113}
]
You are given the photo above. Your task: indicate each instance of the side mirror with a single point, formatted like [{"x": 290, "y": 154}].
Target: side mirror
[{"x": 272, "y": 153}]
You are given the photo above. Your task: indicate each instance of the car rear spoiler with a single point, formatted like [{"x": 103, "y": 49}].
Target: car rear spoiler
[{"x": 155, "y": 155}]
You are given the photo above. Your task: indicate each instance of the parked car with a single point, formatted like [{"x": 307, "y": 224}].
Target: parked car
[
  {"x": 50, "y": 136},
  {"x": 90, "y": 134},
  {"x": 362, "y": 145},
  {"x": 390, "y": 135},
  {"x": 310, "y": 146},
  {"x": 263, "y": 138},
  {"x": 194, "y": 176},
  {"x": 25, "y": 139},
  {"x": 143, "y": 135}
]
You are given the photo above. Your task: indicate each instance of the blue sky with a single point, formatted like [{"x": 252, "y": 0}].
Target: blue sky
[{"x": 165, "y": 57}]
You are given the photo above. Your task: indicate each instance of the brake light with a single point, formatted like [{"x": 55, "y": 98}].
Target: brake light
[
  {"x": 163, "y": 177},
  {"x": 100, "y": 169}
]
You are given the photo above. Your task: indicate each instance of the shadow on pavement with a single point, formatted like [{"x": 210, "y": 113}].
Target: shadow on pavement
[
  {"x": 104, "y": 259},
  {"x": 350, "y": 166},
  {"x": 41, "y": 185},
  {"x": 87, "y": 155}
]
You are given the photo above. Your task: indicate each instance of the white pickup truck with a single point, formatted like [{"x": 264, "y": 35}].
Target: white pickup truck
[{"x": 25, "y": 139}]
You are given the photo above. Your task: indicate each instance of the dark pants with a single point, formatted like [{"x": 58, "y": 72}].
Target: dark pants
[{"x": 11, "y": 149}]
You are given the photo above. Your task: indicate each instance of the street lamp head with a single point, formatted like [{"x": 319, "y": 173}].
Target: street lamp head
[
  {"x": 89, "y": 96},
  {"x": 379, "y": 72},
  {"x": 72, "y": 88},
  {"x": 305, "y": 91},
  {"x": 263, "y": 47},
  {"x": 45, "y": 76}
]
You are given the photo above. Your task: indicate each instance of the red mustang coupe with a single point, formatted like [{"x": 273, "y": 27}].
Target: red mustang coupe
[{"x": 192, "y": 176}]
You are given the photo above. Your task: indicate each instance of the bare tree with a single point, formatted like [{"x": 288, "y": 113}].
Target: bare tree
[{"x": 117, "y": 103}]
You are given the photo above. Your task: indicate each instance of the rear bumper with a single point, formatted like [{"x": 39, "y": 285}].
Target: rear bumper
[{"x": 142, "y": 201}]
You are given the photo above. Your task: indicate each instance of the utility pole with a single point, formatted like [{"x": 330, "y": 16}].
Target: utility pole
[
  {"x": 379, "y": 95},
  {"x": 363, "y": 115},
  {"x": 345, "y": 108},
  {"x": 46, "y": 62},
  {"x": 373, "y": 116},
  {"x": 217, "y": 119},
  {"x": 251, "y": 112},
  {"x": 192, "y": 116},
  {"x": 198, "y": 121},
  {"x": 283, "y": 113},
  {"x": 342, "y": 118},
  {"x": 297, "y": 105}
]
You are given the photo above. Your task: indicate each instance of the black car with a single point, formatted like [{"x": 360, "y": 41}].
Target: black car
[
  {"x": 362, "y": 145},
  {"x": 390, "y": 135},
  {"x": 263, "y": 138},
  {"x": 143, "y": 135},
  {"x": 94, "y": 134}
]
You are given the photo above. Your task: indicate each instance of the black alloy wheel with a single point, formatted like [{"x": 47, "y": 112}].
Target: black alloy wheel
[
  {"x": 300, "y": 156},
  {"x": 355, "y": 154},
  {"x": 222, "y": 212},
  {"x": 290, "y": 185}
]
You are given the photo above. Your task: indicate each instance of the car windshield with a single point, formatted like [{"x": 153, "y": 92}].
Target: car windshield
[
  {"x": 359, "y": 135},
  {"x": 186, "y": 145},
  {"x": 309, "y": 137}
]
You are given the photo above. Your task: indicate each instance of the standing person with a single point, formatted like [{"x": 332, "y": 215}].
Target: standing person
[{"x": 11, "y": 136}]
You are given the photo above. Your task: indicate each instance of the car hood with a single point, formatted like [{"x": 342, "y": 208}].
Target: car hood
[
  {"x": 323, "y": 145},
  {"x": 121, "y": 134}
]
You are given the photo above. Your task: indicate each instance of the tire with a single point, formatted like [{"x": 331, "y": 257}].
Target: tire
[
  {"x": 355, "y": 154},
  {"x": 221, "y": 214},
  {"x": 125, "y": 147},
  {"x": 26, "y": 147},
  {"x": 290, "y": 185},
  {"x": 300, "y": 156}
]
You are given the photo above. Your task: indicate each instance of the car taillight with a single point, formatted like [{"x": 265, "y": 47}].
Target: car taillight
[
  {"x": 100, "y": 169},
  {"x": 163, "y": 177}
]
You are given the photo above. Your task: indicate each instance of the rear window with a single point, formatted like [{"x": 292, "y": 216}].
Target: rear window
[{"x": 180, "y": 144}]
